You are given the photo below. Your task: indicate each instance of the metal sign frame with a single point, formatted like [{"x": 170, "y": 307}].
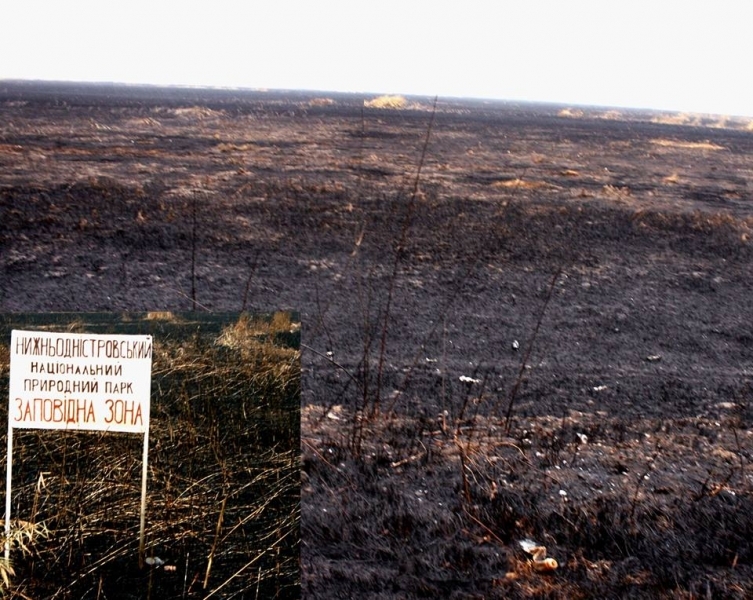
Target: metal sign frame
[{"x": 79, "y": 382}]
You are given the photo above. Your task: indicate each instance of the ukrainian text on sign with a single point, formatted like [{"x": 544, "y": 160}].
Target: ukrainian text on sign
[{"x": 80, "y": 381}]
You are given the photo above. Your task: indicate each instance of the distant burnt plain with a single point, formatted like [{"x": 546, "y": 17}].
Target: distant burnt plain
[{"x": 545, "y": 334}]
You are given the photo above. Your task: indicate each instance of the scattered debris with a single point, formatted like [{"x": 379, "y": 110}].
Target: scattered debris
[
  {"x": 600, "y": 388},
  {"x": 157, "y": 562},
  {"x": 466, "y": 379},
  {"x": 653, "y": 358},
  {"x": 515, "y": 345},
  {"x": 334, "y": 412},
  {"x": 538, "y": 555}
]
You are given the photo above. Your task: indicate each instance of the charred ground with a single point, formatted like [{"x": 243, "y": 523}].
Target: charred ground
[{"x": 615, "y": 245}]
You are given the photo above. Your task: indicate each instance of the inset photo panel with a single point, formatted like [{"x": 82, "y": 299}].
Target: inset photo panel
[{"x": 151, "y": 455}]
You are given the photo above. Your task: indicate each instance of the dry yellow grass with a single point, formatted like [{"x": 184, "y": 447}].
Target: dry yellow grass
[
  {"x": 386, "y": 102},
  {"x": 197, "y": 112},
  {"x": 616, "y": 192},
  {"x": 156, "y": 315},
  {"x": 612, "y": 115},
  {"x": 321, "y": 102},
  {"x": 521, "y": 183},
  {"x": 246, "y": 332},
  {"x": 672, "y": 179},
  {"x": 22, "y": 537},
  {"x": 678, "y": 119},
  {"x": 704, "y": 120},
  {"x": 537, "y": 158},
  {"x": 687, "y": 145},
  {"x": 228, "y": 147}
]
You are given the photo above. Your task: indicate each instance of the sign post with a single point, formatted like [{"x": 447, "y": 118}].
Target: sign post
[{"x": 78, "y": 382}]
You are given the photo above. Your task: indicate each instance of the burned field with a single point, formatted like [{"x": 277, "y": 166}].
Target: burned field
[
  {"x": 223, "y": 484},
  {"x": 545, "y": 335}
]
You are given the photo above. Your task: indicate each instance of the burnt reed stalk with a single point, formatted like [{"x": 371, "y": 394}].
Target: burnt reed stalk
[
  {"x": 529, "y": 350},
  {"x": 399, "y": 252},
  {"x": 193, "y": 252}
]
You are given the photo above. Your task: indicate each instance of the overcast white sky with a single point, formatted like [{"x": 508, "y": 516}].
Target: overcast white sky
[{"x": 687, "y": 56}]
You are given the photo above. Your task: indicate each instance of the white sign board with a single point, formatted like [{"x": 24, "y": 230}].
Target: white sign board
[{"x": 80, "y": 381}]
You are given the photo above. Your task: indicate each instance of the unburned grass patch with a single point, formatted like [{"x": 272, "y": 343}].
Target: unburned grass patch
[
  {"x": 222, "y": 516},
  {"x": 521, "y": 183},
  {"x": 386, "y": 102},
  {"x": 684, "y": 144}
]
